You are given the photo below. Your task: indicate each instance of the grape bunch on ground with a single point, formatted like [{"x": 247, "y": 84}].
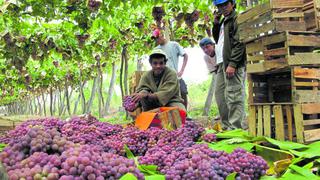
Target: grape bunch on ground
[{"x": 84, "y": 148}]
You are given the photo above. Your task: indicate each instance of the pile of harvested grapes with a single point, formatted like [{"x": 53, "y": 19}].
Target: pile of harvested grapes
[{"x": 84, "y": 148}]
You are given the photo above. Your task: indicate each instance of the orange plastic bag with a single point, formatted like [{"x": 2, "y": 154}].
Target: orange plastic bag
[{"x": 157, "y": 118}]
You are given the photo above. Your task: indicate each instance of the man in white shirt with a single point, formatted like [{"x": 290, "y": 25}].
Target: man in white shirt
[
  {"x": 208, "y": 47},
  {"x": 173, "y": 50}
]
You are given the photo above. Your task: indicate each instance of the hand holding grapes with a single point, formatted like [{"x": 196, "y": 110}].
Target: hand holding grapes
[{"x": 136, "y": 97}]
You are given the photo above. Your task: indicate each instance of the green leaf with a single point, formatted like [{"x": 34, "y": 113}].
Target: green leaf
[
  {"x": 148, "y": 169},
  {"x": 268, "y": 178},
  {"x": 210, "y": 131},
  {"x": 239, "y": 133},
  {"x": 128, "y": 176},
  {"x": 155, "y": 177},
  {"x": 272, "y": 155},
  {"x": 304, "y": 172},
  {"x": 308, "y": 166},
  {"x": 286, "y": 145},
  {"x": 128, "y": 152},
  {"x": 227, "y": 147},
  {"x": 258, "y": 138},
  {"x": 231, "y": 176},
  {"x": 2, "y": 146},
  {"x": 296, "y": 160},
  {"x": 311, "y": 152},
  {"x": 292, "y": 176},
  {"x": 236, "y": 140}
]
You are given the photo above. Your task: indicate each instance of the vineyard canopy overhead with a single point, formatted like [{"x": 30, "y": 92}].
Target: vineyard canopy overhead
[{"x": 45, "y": 44}]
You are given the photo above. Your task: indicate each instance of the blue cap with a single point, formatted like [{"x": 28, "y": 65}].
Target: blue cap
[
  {"x": 205, "y": 41},
  {"x": 217, "y": 2}
]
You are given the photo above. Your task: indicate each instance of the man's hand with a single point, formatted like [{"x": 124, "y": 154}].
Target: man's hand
[
  {"x": 230, "y": 71},
  {"x": 184, "y": 64},
  {"x": 217, "y": 17},
  {"x": 136, "y": 97}
]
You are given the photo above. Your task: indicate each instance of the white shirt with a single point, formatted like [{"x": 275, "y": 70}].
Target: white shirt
[
  {"x": 173, "y": 50},
  {"x": 210, "y": 62},
  {"x": 219, "y": 46}
]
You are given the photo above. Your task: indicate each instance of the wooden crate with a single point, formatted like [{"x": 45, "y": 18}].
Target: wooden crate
[
  {"x": 270, "y": 17},
  {"x": 296, "y": 84},
  {"x": 135, "y": 113},
  {"x": 294, "y": 122},
  {"x": 168, "y": 119},
  {"x": 7, "y": 125},
  {"x": 134, "y": 80},
  {"x": 311, "y": 9},
  {"x": 279, "y": 50}
]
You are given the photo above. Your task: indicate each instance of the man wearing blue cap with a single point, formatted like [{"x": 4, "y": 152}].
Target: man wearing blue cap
[
  {"x": 208, "y": 47},
  {"x": 231, "y": 61}
]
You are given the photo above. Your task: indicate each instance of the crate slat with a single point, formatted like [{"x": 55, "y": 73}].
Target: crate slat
[
  {"x": 252, "y": 120},
  {"x": 274, "y": 38},
  {"x": 290, "y": 122},
  {"x": 255, "y": 68},
  {"x": 267, "y": 120},
  {"x": 297, "y": 84},
  {"x": 311, "y": 9},
  {"x": 260, "y": 122},
  {"x": 256, "y": 11},
  {"x": 303, "y": 40},
  {"x": 275, "y": 52},
  {"x": 306, "y": 96},
  {"x": 279, "y": 122},
  {"x": 310, "y": 108},
  {"x": 311, "y": 135},
  {"x": 288, "y": 15},
  {"x": 266, "y": 66},
  {"x": 311, "y": 122},
  {"x": 304, "y": 58},
  {"x": 273, "y": 16},
  {"x": 307, "y": 73},
  {"x": 306, "y": 84},
  {"x": 282, "y": 49},
  {"x": 256, "y": 58},
  {"x": 286, "y": 3}
]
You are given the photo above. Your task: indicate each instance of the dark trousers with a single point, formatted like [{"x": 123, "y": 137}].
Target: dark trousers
[
  {"x": 148, "y": 104},
  {"x": 184, "y": 92}
]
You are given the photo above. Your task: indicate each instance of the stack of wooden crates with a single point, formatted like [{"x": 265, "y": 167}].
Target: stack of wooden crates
[{"x": 282, "y": 42}]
